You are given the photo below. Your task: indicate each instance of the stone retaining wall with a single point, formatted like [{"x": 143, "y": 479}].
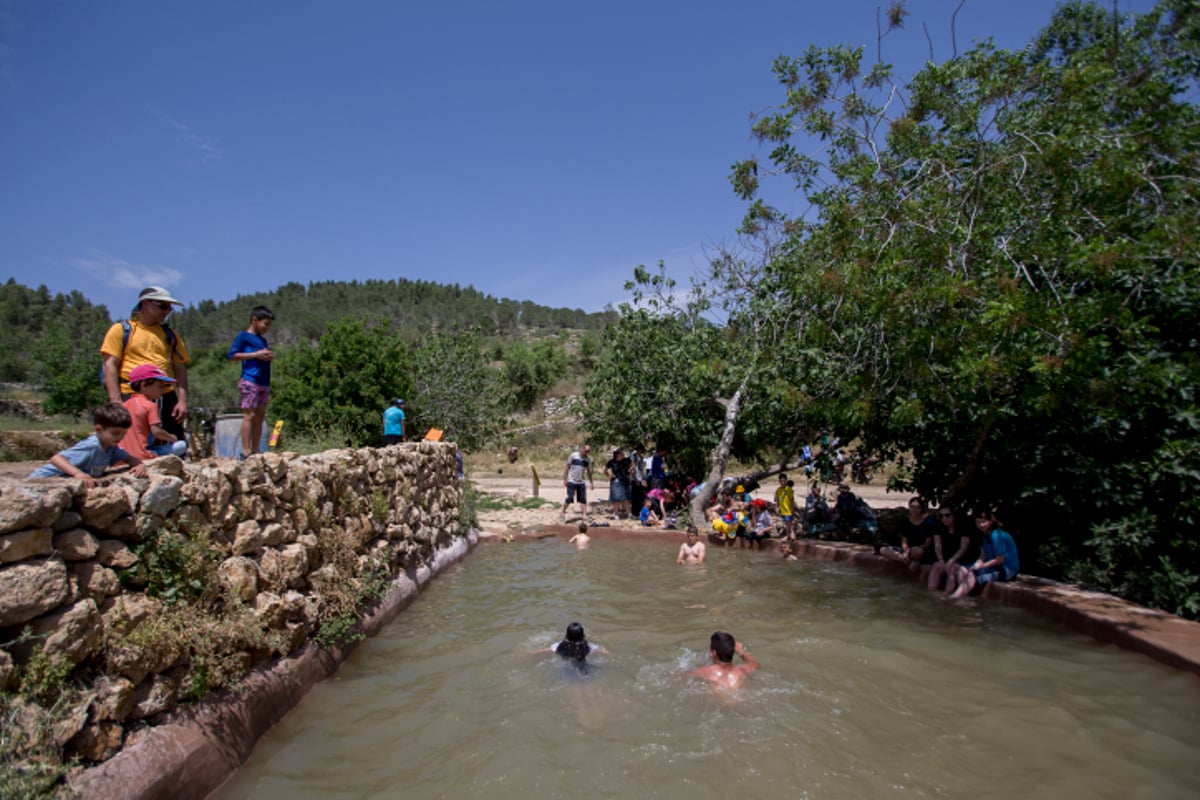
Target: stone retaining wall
[{"x": 293, "y": 534}]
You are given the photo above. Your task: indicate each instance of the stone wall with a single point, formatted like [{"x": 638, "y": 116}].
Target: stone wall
[{"x": 291, "y": 533}]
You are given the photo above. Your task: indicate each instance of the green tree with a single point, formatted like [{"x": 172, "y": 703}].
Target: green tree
[
  {"x": 343, "y": 383},
  {"x": 67, "y": 366},
  {"x": 455, "y": 390},
  {"x": 530, "y": 370},
  {"x": 1001, "y": 262}
]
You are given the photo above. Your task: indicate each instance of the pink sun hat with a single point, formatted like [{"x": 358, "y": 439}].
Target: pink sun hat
[{"x": 149, "y": 372}]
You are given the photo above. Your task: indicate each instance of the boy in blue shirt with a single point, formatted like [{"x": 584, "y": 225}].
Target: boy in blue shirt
[
  {"x": 393, "y": 423},
  {"x": 250, "y": 347},
  {"x": 87, "y": 460}
]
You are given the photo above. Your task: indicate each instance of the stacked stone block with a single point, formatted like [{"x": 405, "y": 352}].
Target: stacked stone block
[{"x": 63, "y": 548}]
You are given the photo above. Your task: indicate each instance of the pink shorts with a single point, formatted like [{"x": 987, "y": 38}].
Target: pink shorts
[{"x": 253, "y": 395}]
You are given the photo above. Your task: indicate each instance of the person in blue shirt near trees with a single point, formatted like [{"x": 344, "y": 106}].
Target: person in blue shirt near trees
[
  {"x": 999, "y": 561},
  {"x": 393, "y": 423},
  {"x": 250, "y": 347}
]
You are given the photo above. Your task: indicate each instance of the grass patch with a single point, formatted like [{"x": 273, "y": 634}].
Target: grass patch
[{"x": 491, "y": 502}]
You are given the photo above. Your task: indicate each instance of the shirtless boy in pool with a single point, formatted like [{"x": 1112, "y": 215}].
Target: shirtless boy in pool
[
  {"x": 722, "y": 674},
  {"x": 691, "y": 551}
]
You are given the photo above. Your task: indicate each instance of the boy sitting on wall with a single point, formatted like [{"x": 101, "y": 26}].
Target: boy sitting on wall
[{"x": 87, "y": 460}]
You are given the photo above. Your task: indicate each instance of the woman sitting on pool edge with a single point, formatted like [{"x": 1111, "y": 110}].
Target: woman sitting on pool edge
[
  {"x": 999, "y": 561},
  {"x": 575, "y": 647}
]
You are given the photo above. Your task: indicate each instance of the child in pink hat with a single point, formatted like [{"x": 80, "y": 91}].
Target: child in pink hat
[{"x": 147, "y": 437}]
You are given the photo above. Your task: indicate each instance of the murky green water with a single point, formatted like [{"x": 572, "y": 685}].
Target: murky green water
[{"x": 869, "y": 688}]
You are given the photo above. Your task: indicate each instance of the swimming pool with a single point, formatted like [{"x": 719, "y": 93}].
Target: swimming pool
[{"x": 869, "y": 687}]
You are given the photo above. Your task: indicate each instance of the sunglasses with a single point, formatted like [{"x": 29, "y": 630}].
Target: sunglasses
[{"x": 163, "y": 306}]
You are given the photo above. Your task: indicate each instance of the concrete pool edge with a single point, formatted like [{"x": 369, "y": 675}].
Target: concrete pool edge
[
  {"x": 1164, "y": 637},
  {"x": 191, "y": 755}
]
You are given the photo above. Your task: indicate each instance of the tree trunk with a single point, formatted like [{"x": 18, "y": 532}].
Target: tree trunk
[{"x": 720, "y": 456}]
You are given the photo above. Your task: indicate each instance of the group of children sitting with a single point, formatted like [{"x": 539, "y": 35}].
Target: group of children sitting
[
  {"x": 125, "y": 433},
  {"x": 736, "y": 515}
]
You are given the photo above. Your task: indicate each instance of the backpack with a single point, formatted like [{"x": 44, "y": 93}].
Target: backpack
[{"x": 126, "y": 330}]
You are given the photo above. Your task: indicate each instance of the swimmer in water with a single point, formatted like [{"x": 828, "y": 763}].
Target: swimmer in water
[
  {"x": 581, "y": 540},
  {"x": 691, "y": 551},
  {"x": 575, "y": 647},
  {"x": 722, "y": 674}
]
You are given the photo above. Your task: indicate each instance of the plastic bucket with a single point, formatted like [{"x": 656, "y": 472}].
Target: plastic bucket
[{"x": 228, "y": 436}]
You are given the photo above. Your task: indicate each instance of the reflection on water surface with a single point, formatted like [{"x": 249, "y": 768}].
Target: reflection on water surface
[{"x": 869, "y": 687}]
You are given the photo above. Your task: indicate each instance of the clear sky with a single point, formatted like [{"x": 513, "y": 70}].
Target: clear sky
[{"x": 535, "y": 149}]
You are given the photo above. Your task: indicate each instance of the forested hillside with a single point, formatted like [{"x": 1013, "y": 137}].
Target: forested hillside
[
  {"x": 409, "y": 308},
  {"x": 464, "y": 359}
]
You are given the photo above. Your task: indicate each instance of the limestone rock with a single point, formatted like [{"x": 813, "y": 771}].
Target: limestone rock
[
  {"x": 116, "y": 555},
  {"x": 103, "y": 504},
  {"x": 239, "y": 575},
  {"x": 272, "y": 535},
  {"x": 125, "y": 613},
  {"x": 30, "y": 589},
  {"x": 74, "y": 631},
  {"x": 68, "y": 723},
  {"x": 166, "y": 465},
  {"x": 66, "y": 520},
  {"x": 295, "y": 565},
  {"x": 26, "y": 544},
  {"x": 114, "y": 698},
  {"x": 312, "y": 547},
  {"x": 76, "y": 545},
  {"x": 248, "y": 538},
  {"x": 125, "y": 528},
  {"x": 269, "y": 607},
  {"x": 155, "y": 696},
  {"x": 94, "y": 580},
  {"x": 162, "y": 497},
  {"x": 98, "y": 741},
  {"x": 31, "y": 506}
]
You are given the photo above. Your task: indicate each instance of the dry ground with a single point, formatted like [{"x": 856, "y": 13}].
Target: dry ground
[{"x": 515, "y": 486}]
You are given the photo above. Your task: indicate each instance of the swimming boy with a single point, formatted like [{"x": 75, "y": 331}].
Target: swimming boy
[
  {"x": 148, "y": 383},
  {"x": 87, "y": 460},
  {"x": 722, "y": 674},
  {"x": 693, "y": 550},
  {"x": 581, "y": 540},
  {"x": 250, "y": 347}
]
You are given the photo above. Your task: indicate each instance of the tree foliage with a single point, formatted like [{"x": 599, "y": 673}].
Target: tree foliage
[
  {"x": 455, "y": 390},
  {"x": 529, "y": 370},
  {"x": 343, "y": 383},
  {"x": 1001, "y": 262},
  {"x": 54, "y": 341}
]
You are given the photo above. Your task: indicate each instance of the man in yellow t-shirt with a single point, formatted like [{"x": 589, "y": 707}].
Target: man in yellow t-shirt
[
  {"x": 785, "y": 502},
  {"x": 148, "y": 343}
]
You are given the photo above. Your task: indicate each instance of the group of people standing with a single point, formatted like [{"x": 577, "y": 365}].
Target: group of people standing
[
  {"x": 144, "y": 372},
  {"x": 635, "y": 480}
]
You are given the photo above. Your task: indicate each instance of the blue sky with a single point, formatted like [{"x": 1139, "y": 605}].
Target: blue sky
[{"x": 535, "y": 150}]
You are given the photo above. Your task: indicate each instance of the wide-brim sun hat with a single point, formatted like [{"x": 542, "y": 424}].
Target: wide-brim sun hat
[{"x": 158, "y": 294}]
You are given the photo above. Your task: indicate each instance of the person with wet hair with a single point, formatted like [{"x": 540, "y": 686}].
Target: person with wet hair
[
  {"x": 693, "y": 550},
  {"x": 722, "y": 674},
  {"x": 581, "y": 540},
  {"x": 574, "y": 648}
]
